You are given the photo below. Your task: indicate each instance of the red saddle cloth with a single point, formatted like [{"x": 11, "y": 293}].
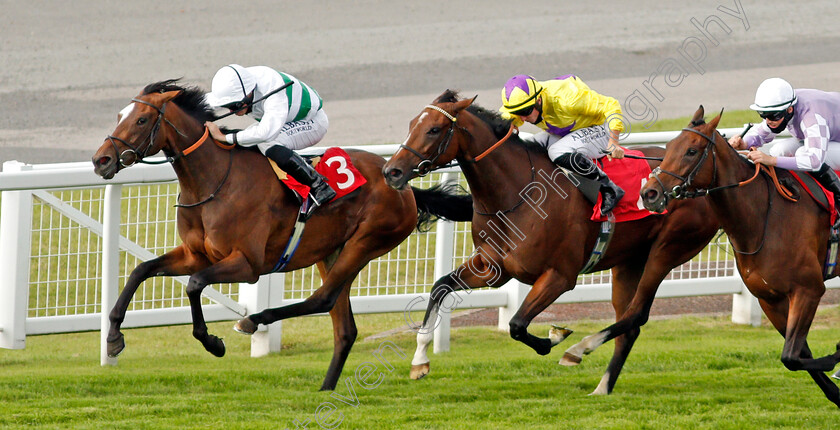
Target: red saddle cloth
[
  {"x": 829, "y": 205},
  {"x": 629, "y": 174},
  {"x": 336, "y": 166}
]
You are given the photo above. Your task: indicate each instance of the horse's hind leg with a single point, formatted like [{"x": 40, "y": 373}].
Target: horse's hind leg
[
  {"x": 234, "y": 268},
  {"x": 175, "y": 262},
  {"x": 344, "y": 333},
  {"x": 625, "y": 278}
]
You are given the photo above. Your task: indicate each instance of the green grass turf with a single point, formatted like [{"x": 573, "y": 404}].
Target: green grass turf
[{"x": 687, "y": 372}]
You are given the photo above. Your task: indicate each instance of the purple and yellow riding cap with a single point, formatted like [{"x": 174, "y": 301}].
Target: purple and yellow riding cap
[{"x": 519, "y": 92}]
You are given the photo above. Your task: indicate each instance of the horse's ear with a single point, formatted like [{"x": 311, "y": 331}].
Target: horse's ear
[
  {"x": 169, "y": 95},
  {"x": 463, "y": 104},
  {"x": 698, "y": 117},
  {"x": 714, "y": 122}
]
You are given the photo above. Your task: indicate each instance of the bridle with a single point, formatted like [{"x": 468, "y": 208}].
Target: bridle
[
  {"x": 135, "y": 149},
  {"x": 427, "y": 165},
  {"x": 680, "y": 191},
  {"x": 140, "y": 157}
]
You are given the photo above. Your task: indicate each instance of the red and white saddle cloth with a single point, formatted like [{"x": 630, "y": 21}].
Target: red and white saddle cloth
[
  {"x": 336, "y": 166},
  {"x": 629, "y": 174}
]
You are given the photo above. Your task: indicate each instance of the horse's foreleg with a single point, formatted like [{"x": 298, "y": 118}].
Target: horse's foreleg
[
  {"x": 173, "y": 263},
  {"x": 233, "y": 268},
  {"x": 803, "y": 307},
  {"x": 458, "y": 280},
  {"x": 344, "y": 334},
  {"x": 777, "y": 312},
  {"x": 625, "y": 279},
  {"x": 548, "y": 287}
]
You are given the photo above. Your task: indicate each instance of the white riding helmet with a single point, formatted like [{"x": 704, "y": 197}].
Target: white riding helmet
[
  {"x": 231, "y": 84},
  {"x": 774, "y": 94}
]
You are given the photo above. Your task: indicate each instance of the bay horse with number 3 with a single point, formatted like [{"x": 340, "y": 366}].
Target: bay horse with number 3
[
  {"x": 780, "y": 246},
  {"x": 235, "y": 218},
  {"x": 556, "y": 237}
]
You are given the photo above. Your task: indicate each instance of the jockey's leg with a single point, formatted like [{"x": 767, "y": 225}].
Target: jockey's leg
[
  {"x": 298, "y": 168},
  {"x": 828, "y": 179},
  {"x": 584, "y": 166}
]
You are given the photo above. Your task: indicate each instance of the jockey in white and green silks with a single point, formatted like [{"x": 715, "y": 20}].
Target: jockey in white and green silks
[
  {"x": 290, "y": 119},
  {"x": 578, "y": 124}
]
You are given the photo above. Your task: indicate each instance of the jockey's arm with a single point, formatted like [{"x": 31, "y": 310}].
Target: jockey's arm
[{"x": 614, "y": 150}]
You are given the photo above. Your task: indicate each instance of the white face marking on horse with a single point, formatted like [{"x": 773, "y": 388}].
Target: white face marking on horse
[
  {"x": 125, "y": 112},
  {"x": 410, "y": 132}
]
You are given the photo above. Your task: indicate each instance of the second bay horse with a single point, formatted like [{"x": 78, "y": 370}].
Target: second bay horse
[{"x": 532, "y": 225}]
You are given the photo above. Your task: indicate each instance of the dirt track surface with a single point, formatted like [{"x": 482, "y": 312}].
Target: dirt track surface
[{"x": 69, "y": 67}]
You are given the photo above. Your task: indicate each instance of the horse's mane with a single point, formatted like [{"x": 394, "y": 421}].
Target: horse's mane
[
  {"x": 493, "y": 119},
  {"x": 191, "y": 99}
]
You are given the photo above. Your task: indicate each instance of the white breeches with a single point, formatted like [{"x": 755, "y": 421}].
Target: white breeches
[
  {"x": 590, "y": 141},
  {"x": 300, "y": 134}
]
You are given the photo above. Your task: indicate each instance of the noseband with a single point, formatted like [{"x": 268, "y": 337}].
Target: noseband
[{"x": 134, "y": 149}]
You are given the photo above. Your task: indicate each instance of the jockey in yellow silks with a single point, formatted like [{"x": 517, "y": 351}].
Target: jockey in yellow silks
[{"x": 578, "y": 125}]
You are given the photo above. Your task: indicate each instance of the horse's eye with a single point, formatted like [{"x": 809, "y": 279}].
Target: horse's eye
[
  {"x": 141, "y": 121},
  {"x": 691, "y": 152},
  {"x": 434, "y": 130}
]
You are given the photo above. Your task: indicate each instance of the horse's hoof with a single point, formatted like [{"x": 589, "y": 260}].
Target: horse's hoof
[
  {"x": 557, "y": 334},
  {"x": 116, "y": 346},
  {"x": 418, "y": 371},
  {"x": 215, "y": 345},
  {"x": 570, "y": 360},
  {"x": 245, "y": 326}
]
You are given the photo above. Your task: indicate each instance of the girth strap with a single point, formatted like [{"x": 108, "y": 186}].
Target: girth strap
[{"x": 601, "y": 244}]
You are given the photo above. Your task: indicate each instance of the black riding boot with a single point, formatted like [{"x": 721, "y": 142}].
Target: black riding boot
[
  {"x": 828, "y": 179},
  {"x": 611, "y": 193},
  {"x": 293, "y": 164}
]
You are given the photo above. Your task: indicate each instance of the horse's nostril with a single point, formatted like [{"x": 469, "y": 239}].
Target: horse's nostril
[
  {"x": 103, "y": 161},
  {"x": 395, "y": 173},
  {"x": 651, "y": 195}
]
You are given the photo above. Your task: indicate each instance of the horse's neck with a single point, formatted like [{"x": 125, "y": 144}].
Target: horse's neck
[
  {"x": 741, "y": 210},
  {"x": 200, "y": 171},
  {"x": 497, "y": 179}
]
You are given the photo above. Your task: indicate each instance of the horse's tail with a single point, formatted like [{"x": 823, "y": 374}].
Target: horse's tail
[{"x": 447, "y": 201}]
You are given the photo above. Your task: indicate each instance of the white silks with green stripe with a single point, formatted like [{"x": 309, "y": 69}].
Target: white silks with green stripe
[{"x": 298, "y": 102}]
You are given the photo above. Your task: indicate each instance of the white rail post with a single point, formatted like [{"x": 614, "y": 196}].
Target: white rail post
[
  {"x": 444, "y": 263},
  {"x": 266, "y": 293},
  {"x": 15, "y": 249},
  {"x": 516, "y": 292},
  {"x": 111, "y": 219},
  {"x": 745, "y": 308}
]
